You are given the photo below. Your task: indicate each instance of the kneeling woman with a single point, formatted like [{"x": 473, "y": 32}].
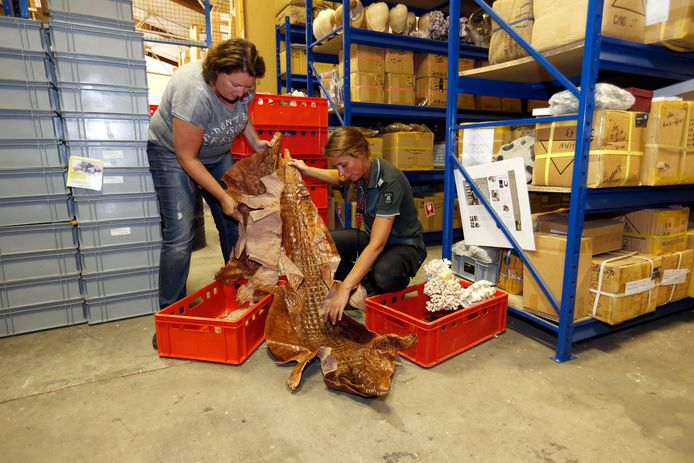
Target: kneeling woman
[{"x": 391, "y": 249}]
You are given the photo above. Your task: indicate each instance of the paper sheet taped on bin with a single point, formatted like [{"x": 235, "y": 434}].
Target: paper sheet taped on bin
[{"x": 503, "y": 184}]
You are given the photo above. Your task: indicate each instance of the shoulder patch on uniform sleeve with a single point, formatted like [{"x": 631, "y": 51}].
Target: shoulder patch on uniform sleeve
[{"x": 388, "y": 198}]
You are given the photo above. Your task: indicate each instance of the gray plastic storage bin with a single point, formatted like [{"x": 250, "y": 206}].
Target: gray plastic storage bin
[
  {"x": 114, "y": 154},
  {"x": 39, "y": 291},
  {"x": 96, "y": 41},
  {"x": 105, "y": 127},
  {"x": 45, "y": 237},
  {"x": 32, "y": 154},
  {"x": 35, "y": 96},
  {"x": 103, "y": 99},
  {"x": 76, "y": 68},
  {"x": 21, "y": 34},
  {"x": 41, "y": 317},
  {"x": 20, "y": 183},
  {"x": 35, "y": 209},
  {"x": 38, "y": 264},
  {"x": 25, "y": 66},
  {"x": 87, "y": 20},
  {"x": 118, "y": 10},
  {"x": 121, "y": 180},
  {"x": 108, "y": 258},
  {"x": 113, "y": 207},
  {"x": 116, "y": 282},
  {"x": 117, "y": 232},
  {"x": 28, "y": 125},
  {"x": 104, "y": 309},
  {"x": 475, "y": 270}
]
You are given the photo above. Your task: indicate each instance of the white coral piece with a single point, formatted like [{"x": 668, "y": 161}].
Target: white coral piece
[{"x": 445, "y": 291}]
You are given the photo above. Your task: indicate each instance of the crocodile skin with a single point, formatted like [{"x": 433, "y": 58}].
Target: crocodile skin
[{"x": 353, "y": 359}]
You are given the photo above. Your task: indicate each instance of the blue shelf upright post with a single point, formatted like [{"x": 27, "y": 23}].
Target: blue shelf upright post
[
  {"x": 287, "y": 56},
  {"x": 309, "y": 48},
  {"x": 451, "y": 131},
  {"x": 586, "y": 105}
]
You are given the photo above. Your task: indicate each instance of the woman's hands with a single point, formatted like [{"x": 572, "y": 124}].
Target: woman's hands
[
  {"x": 298, "y": 164},
  {"x": 260, "y": 145},
  {"x": 334, "y": 305},
  {"x": 228, "y": 205}
]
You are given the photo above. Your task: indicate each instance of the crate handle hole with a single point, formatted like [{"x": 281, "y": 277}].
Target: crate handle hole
[
  {"x": 192, "y": 303},
  {"x": 443, "y": 328}
]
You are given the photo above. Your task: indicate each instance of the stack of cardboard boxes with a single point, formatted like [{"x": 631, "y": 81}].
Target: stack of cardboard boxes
[
  {"x": 627, "y": 148},
  {"x": 626, "y": 267},
  {"x": 367, "y": 73},
  {"x": 431, "y": 80}
]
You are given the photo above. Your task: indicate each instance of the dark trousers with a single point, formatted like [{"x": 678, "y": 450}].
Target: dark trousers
[{"x": 391, "y": 271}]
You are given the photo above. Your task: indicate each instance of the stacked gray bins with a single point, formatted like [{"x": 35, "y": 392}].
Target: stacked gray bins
[
  {"x": 39, "y": 262},
  {"x": 101, "y": 77}
]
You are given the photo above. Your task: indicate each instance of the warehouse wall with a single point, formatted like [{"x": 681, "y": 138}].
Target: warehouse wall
[{"x": 260, "y": 29}]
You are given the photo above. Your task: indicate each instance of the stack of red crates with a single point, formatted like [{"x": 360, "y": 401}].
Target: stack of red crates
[{"x": 303, "y": 123}]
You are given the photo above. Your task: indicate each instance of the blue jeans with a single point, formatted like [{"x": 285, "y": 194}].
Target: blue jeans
[{"x": 176, "y": 195}]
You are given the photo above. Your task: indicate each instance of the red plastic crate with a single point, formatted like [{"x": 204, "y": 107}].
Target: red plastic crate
[
  {"x": 323, "y": 212},
  {"x": 319, "y": 194},
  {"x": 194, "y": 327},
  {"x": 300, "y": 141},
  {"x": 404, "y": 312},
  {"x": 313, "y": 161},
  {"x": 268, "y": 109}
]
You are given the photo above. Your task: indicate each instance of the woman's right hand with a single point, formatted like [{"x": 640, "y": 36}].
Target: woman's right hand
[
  {"x": 228, "y": 205},
  {"x": 298, "y": 164}
]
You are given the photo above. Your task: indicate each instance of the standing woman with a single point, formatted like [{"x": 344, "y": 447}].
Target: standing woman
[
  {"x": 204, "y": 106},
  {"x": 391, "y": 250}
]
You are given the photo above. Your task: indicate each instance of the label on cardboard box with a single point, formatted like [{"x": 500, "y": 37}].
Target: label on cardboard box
[
  {"x": 638, "y": 286},
  {"x": 674, "y": 277},
  {"x": 657, "y": 11}
]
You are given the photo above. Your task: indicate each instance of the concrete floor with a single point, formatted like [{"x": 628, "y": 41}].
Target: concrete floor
[{"x": 100, "y": 394}]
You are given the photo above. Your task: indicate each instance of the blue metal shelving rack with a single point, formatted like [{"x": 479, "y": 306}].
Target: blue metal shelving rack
[
  {"x": 599, "y": 54},
  {"x": 352, "y": 112}
]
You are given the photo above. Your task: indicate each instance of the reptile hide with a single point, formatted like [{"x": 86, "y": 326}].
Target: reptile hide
[{"x": 353, "y": 359}]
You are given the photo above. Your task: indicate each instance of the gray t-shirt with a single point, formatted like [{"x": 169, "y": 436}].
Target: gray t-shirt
[{"x": 191, "y": 99}]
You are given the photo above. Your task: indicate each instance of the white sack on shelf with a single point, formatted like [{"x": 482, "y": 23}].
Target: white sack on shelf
[
  {"x": 324, "y": 23},
  {"x": 607, "y": 96},
  {"x": 377, "y": 17},
  {"x": 523, "y": 147},
  {"x": 397, "y": 18}
]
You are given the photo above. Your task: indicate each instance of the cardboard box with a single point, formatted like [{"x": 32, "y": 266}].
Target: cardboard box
[
  {"x": 399, "y": 61},
  {"x": 431, "y": 91},
  {"x": 363, "y": 58},
  {"x": 457, "y": 219},
  {"x": 502, "y": 135},
  {"x": 488, "y": 103},
  {"x": 547, "y": 202},
  {"x": 510, "y": 272},
  {"x": 607, "y": 234},
  {"x": 430, "y": 65},
  {"x": 676, "y": 276},
  {"x": 687, "y": 165},
  {"x": 296, "y": 13},
  {"x": 623, "y": 286},
  {"x": 519, "y": 14},
  {"x": 282, "y": 4},
  {"x": 437, "y": 209},
  {"x": 533, "y": 104},
  {"x": 690, "y": 245},
  {"x": 548, "y": 260},
  {"x": 466, "y": 101},
  {"x": 615, "y": 151},
  {"x": 399, "y": 89},
  {"x": 511, "y": 105},
  {"x": 656, "y": 231},
  {"x": 465, "y": 64},
  {"x": 297, "y": 60},
  {"x": 424, "y": 205},
  {"x": 677, "y": 32},
  {"x": 409, "y": 150},
  {"x": 558, "y": 22},
  {"x": 367, "y": 87},
  {"x": 665, "y": 142},
  {"x": 375, "y": 146}
]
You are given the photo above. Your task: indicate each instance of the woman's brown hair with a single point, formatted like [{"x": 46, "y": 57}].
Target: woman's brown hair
[
  {"x": 347, "y": 141},
  {"x": 233, "y": 55}
]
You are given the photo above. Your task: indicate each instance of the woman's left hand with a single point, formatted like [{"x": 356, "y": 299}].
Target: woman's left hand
[
  {"x": 334, "y": 306},
  {"x": 260, "y": 145}
]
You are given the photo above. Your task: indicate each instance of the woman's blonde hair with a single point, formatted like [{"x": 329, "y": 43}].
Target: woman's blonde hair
[
  {"x": 233, "y": 55},
  {"x": 347, "y": 141}
]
